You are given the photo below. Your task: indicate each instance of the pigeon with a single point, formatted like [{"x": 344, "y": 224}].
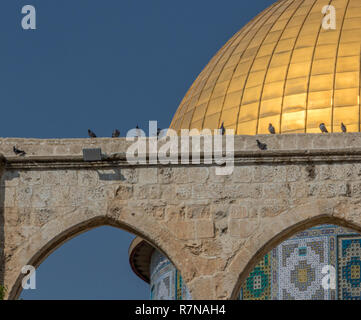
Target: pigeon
[
  {"x": 222, "y": 129},
  {"x": 115, "y": 133},
  {"x": 91, "y": 134},
  {"x": 158, "y": 132},
  {"x": 261, "y": 145},
  {"x": 138, "y": 131},
  {"x": 343, "y": 128},
  {"x": 19, "y": 152},
  {"x": 271, "y": 129},
  {"x": 323, "y": 128}
]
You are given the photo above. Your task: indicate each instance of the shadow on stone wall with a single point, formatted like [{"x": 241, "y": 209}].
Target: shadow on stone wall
[
  {"x": 4, "y": 176},
  {"x": 110, "y": 175},
  {"x": 2, "y": 232}
]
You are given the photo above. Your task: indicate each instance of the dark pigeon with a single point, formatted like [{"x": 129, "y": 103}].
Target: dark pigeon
[
  {"x": 323, "y": 128},
  {"x": 158, "y": 132},
  {"x": 91, "y": 134},
  {"x": 222, "y": 129},
  {"x": 343, "y": 128},
  {"x": 19, "y": 152},
  {"x": 261, "y": 146},
  {"x": 271, "y": 129},
  {"x": 116, "y": 133}
]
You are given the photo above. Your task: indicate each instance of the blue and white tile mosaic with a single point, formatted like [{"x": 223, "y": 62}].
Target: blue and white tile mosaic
[{"x": 291, "y": 271}]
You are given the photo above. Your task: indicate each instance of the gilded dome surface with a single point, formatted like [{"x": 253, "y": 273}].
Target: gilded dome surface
[{"x": 282, "y": 68}]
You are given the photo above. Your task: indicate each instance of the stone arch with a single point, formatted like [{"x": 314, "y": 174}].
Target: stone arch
[
  {"x": 58, "y": 231},
  {"x": 273, "y": 231}
]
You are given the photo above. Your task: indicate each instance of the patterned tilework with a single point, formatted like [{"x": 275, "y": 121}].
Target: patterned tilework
[
  {"x": 293, "y": 270},
  {"x": 258, "y": 283},
  {"x": 300, "y": 265},
  {"x": 165, "y": 281},
  {"x": 349, "y": 267},
  {"x": 163, "y": 278},
  {"x": 274, "y": 268}
]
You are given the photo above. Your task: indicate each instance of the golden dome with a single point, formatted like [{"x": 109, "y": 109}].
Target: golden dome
[{"x": 282, "y": 68}]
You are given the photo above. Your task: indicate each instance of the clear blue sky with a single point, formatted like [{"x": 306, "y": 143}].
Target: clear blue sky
[{"x": 103, "y": 64}]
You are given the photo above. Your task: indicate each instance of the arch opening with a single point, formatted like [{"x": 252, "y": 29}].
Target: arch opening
[
  {"x": 73, "y": 232},
  {"x": 92, "y": 265}
]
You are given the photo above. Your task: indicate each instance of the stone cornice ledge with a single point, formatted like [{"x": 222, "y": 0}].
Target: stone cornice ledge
[
  {"x": 282, "y": 148},
  {"x": 240, "y": 157}
]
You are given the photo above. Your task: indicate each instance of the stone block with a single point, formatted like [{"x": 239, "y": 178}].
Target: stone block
[
  {"x": 242, "y": 228},
  {"x": 88, "y": 178},
  {"x": 147, "y": 175},
  {"x": 204, "y": 229}
]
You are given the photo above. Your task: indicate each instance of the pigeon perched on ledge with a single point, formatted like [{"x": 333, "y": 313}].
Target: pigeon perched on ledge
[
  {"x": 271, "y": 129},
  {"x": 261, "y": 146},
  {"x": 116, "y": 133},
  {"x": 343, "y": 128},
  {"x": 91, "y": 134},
  {"x": 323, "y": 128},
  {"x": 138, "y": 133},
  {"x": 19, "y": 152},
  {"x": 222, "y": 129}
]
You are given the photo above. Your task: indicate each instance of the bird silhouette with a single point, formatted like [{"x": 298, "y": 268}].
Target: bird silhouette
[
  {"x": 91, "y": 134},
  {"x": 18, "y": 151},
  {"x": 158, "y": 132},
  {"x": 222, "y": 129},
  {"x": 271, "y": 129},
  {"x": 116, "y": 133},
  {"x": 261, "y": 146},
  {"x": 138, "y": 131},
  {"x": 323, "y": 128},
  {"x": 343, "y": 128}
]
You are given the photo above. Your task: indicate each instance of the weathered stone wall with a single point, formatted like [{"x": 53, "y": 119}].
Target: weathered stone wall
[
  {"x": 213, "y": 228},
  {"x": 2, "y": 234}
]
